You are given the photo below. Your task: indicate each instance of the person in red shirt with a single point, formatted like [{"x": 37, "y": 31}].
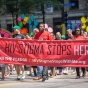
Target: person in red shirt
[
  {"x": 78, "y": 36},
  {"x": 42, "y": 35}
]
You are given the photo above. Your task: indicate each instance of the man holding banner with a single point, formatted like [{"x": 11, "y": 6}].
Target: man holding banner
[{"x": 43, "y": 35}]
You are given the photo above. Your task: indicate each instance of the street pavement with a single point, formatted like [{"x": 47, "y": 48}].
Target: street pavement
[{"x": 60, "y": 81}]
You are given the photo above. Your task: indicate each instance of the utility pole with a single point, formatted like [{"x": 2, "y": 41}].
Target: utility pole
[
  {"x": 64, "y": 19},
  {"x": 43, "y": 12},
  {"x": 63, "y": 24}
]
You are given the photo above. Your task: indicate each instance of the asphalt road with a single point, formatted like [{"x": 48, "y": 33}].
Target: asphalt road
[{"x": 60, "y": 81}]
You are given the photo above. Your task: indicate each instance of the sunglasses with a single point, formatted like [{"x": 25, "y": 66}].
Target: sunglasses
[{"x": 77, "y": 30}]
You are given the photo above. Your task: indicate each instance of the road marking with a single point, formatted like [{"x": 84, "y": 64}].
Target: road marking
[
  {"x": 26, "y": 81},
  {"x": 22, "y": 82},
  {"x": 10, "y": 84}
]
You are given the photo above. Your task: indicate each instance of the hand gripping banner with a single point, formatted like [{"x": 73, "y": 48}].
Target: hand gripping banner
[{"x": 44, "y": 53}]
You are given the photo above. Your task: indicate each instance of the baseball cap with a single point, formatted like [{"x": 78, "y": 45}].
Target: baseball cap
[{"x": 16, "y": 27}]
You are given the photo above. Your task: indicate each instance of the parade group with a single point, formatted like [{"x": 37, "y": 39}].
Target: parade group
[{"x": 41, "y": 72}]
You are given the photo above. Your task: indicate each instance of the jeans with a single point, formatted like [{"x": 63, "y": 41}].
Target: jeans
[{"x": 39, "y": 70}]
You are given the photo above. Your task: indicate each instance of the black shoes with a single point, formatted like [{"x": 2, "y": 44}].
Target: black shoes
[
  {"x": 18, "y": 78},
  {"x": 43, "y": 78},
  {"x": 2, "y": 79}
]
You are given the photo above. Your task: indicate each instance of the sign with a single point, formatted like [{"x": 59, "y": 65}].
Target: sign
[
  {"x": 69, "y": 4},
  {"x": 44, "y": 53},
  {"x": 49, "y": 9}
]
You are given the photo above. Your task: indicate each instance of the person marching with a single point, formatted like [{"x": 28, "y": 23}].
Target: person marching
[
  {"x": 18, "y": 35},
  {"x": 42, "y": 35}
]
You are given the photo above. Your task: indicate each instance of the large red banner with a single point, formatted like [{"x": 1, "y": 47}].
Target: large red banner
[{"x": 44, "y": 53}]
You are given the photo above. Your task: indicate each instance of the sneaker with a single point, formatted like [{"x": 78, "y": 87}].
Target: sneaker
[
  {"x": 65, "y": 72},
  {"x": 18, "y": 78},
  {"x": 81, "y": 74},
  {"x": 43, "y": 79},
  {"x": 23, "y": 76},
  {"x": 73, "y": 73},
  {"x": 60, "y": 73},
  {"x": 21, "y": 72},
  {"x": 11, "y": 73}
]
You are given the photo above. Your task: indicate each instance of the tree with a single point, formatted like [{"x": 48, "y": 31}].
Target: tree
[
  {"x": 16, "y": 7},
  {"x": 48, "y": 3}
]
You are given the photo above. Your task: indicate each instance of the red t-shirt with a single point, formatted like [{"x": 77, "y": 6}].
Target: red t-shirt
[
  {"x": 79, "y": 37},
  {"x": 43, "y": 36}
]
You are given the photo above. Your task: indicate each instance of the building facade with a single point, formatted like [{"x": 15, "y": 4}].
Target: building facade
[{"x": 53, "y": 16}]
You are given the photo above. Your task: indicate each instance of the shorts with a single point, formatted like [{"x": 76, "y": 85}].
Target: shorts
[
  {"x": 2, "y": 65},
  {"x": 34, "y": 66}
]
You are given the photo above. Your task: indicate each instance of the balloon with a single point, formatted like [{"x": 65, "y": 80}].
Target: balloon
[
  {"x": 87, "y": 20},
  {"x": 46, "y": 26},
  {"x": 32, "y": 18},
  {"x": 35, "y": 22},
  {"x": 83, "y": 26},
  {"x": 24, "y": 22},
  {"x": 30, "y": 26},
  {"x": 18, "y": 19},
  {"x": 34, "y": 26},
  {"x": 7, "y": 35},
  {"x": 50, "y": 29},
  {"x": 24, "y": 31},
  {"x": 63, "y": 29},
  {"x": 2, "y": 31},
  {"x": 26, "y": 19},
  {"x": 22, "y": 16},
  {"x": 21, "y": 24},
  {"x": 87, "y": 29},
  {"x": 30, "y": 22},
  {"x": 78, "y": 24},
  {"x": 83, "y": 20},
  {"x": 31, "y": 34},
  {"x": 68, "y": 26}
]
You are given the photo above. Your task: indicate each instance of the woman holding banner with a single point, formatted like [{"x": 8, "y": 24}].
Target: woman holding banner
[{"x": 78, "y": 36}]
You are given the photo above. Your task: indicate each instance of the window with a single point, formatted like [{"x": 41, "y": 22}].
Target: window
[
  {"x": 76, "y": 4},
  {"x": 9, "y": 27}
]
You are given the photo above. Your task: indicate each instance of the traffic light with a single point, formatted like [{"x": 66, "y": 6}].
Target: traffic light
[{"x": 64, "y": 17}]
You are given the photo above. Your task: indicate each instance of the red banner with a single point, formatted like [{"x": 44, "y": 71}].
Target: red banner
[{"x": 44, "y": 53}]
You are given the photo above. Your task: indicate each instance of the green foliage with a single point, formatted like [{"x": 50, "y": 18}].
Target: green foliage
[{"x": 26, "y": 6}]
